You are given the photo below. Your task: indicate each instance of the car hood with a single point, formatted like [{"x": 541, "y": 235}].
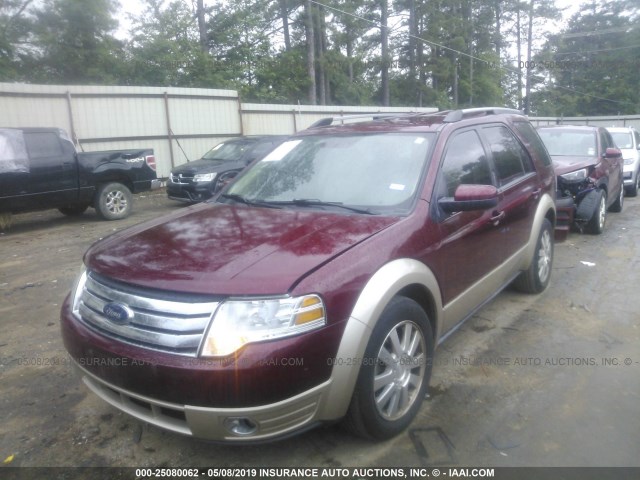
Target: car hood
[
  {"x": 220, "y": 249},
  {"x": 206, "y": 166},
  {"x": 564, "y": 164}
]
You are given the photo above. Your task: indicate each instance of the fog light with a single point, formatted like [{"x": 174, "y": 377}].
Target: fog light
[{"x": 241, "y": 426}]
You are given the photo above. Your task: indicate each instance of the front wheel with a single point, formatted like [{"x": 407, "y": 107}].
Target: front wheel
[
  {"x": 599, "y": 217},
  {"x": 395, "y": 372},
  {"x": 536, "y": 278},
  {"x": 113, "y": 201}
]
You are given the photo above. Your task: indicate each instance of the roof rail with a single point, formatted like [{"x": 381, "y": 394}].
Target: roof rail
[
  {"x": 457, "y": 115},
  {"x": 328, "y": 121}
]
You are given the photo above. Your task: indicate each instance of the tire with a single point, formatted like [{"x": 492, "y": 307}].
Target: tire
[
  {"x": 632, "y": 191},
  {"x": 394, "y": 374},
  {"x": 6, "y": 219},
  {"x": 536, "y": 278},
  {"x": 616, "y": 207},
  {"x": 113, "y": 201},
  {"x": 599, "y": 218},
  {"x": 73, "y": 210}
]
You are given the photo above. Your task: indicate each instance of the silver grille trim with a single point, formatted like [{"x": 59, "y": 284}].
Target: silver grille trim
[
  {"x": 180, "y": 179},
  {"x": 162, "y": 325}
]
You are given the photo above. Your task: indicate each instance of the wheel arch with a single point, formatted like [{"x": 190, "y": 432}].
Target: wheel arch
[
  {"x": 407, "y": 277},
  {"x": 546, "y": 210}
]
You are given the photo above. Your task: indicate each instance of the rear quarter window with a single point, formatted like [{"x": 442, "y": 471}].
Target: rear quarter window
[
  {"x": 532, "y": 141},
  {"x": 43, "y": 144},
  {"x": 510, "y": 158}
]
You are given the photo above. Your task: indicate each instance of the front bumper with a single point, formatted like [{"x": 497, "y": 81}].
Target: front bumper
[
  {"x": 260, "y": 385},
  {"x": 271, "y": 421},
  {"x": 629, "y": 178},
  {"x": 190, "y": 193}
]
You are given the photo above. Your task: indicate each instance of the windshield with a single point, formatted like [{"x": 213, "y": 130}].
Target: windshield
[
  {"x": 228, "y": 150},
  {"x": 378, "y": 171},
  {"x": 622, "y": 139},
  {"x": 569, "y": 142}
]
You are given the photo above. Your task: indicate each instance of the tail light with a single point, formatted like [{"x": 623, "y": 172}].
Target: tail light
[{"x": 151, "y": 161}]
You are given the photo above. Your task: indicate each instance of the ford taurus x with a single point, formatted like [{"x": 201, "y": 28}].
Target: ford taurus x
[{"x": 317, "y": 285}]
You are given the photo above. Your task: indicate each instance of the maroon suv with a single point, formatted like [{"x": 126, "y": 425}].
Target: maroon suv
[
  {"x": 590, "y": 175},
  {"x": 316, "y": 287}
]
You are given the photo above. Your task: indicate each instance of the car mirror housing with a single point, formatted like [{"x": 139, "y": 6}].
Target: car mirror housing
[
  {"x": 470, "y": 198},
  {"x": 612, "y": 153}
]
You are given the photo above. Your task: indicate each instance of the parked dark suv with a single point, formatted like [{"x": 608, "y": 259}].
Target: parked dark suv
[
  {"x": 317, "y": 285},
  {"x": 196, "y": 181}
]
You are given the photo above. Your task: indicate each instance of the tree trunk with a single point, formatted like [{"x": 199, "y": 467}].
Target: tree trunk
[
  {"x": 384, "y": 70},
  {"x": 519, "y": 65},
  {"x": 284, "y": 15},
  {"x": 350, "y": 56},
  {"x": 413, "y": 33},
  {"x": 527, "y": 98},
  {"x": 311, "y": 60},
  {"x": 320, "y": 50},
  {"x": 202, "y": 27}
]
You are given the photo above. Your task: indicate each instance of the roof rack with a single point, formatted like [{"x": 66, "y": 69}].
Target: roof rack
[
  {"x": 328, "y": 121},
  {"x": 457, "y": 115}
]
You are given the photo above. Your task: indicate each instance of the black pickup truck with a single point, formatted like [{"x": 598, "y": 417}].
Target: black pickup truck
[{"x": 40, "y": 169}]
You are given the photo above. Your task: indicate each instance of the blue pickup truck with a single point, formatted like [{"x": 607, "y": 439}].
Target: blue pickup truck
[{"x": 41, "y": 169}]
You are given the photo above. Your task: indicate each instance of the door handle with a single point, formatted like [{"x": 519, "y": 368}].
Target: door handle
[
  {"x": 497, "y": 217},
  {"x": 536, "y": 193}
]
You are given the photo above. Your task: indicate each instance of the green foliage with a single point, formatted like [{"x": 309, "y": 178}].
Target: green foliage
[
  {"x": 593, "y": 65},
  {"x": 15, "y": 30},
  {"x": 443, "y": 53},
  {"x": 74, "y": 44}
]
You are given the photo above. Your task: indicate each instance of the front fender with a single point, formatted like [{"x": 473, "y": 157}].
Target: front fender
[
  {"x": 545, "y": 206},
  {"x": 387, "y": 282}
]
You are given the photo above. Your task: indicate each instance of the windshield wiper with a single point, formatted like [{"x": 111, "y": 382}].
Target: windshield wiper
[
  {"x": 255, "y": 203},
  {"x": 312, "y": 202}
]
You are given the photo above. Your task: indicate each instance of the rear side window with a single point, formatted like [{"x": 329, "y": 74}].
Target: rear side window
[
  {"x": 43, "y": 145},
  {"x": 510, "y": 158},
  {"x": 533, "y": 141},
  {"x": 465, "y": 162}
]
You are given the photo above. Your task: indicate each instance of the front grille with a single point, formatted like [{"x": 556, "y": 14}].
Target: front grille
[
  {"x": 174, "y": 324},
  {"x": 181, "y": 179}
]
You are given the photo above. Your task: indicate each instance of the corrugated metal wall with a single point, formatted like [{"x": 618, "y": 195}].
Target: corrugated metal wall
[
  {"x": 610, "y": 121},
  {"x": 180, "y": 124}
]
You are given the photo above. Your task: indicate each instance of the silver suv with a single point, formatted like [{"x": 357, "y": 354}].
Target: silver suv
[{"x": 628, "y": 141}]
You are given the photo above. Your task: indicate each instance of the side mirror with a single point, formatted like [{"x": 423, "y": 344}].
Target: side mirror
[
  {"x": 612, "y": 153},
  {"x": 469, "y": 198}
]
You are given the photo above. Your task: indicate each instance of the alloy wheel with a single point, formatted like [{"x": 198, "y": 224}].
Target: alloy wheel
[{"x": 400, "y": 369}]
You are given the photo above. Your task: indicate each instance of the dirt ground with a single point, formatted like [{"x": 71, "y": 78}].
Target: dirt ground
[{"x": 549, "y": 380}]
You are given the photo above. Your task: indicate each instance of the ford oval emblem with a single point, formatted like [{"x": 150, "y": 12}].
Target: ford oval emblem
[{"x": 117, "y": 313}]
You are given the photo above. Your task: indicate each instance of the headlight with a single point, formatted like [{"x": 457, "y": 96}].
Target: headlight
[
  {"x": 76, "y": 291},
  {"x": 576, "y": 176},
  {"x": 628, "y": 161},
  {"x": 239, "y": 322},
  {"x": 204, "y": 177}
]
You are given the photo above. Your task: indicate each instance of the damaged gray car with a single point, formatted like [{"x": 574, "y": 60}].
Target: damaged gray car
[{"x": 589, "y": 169}]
